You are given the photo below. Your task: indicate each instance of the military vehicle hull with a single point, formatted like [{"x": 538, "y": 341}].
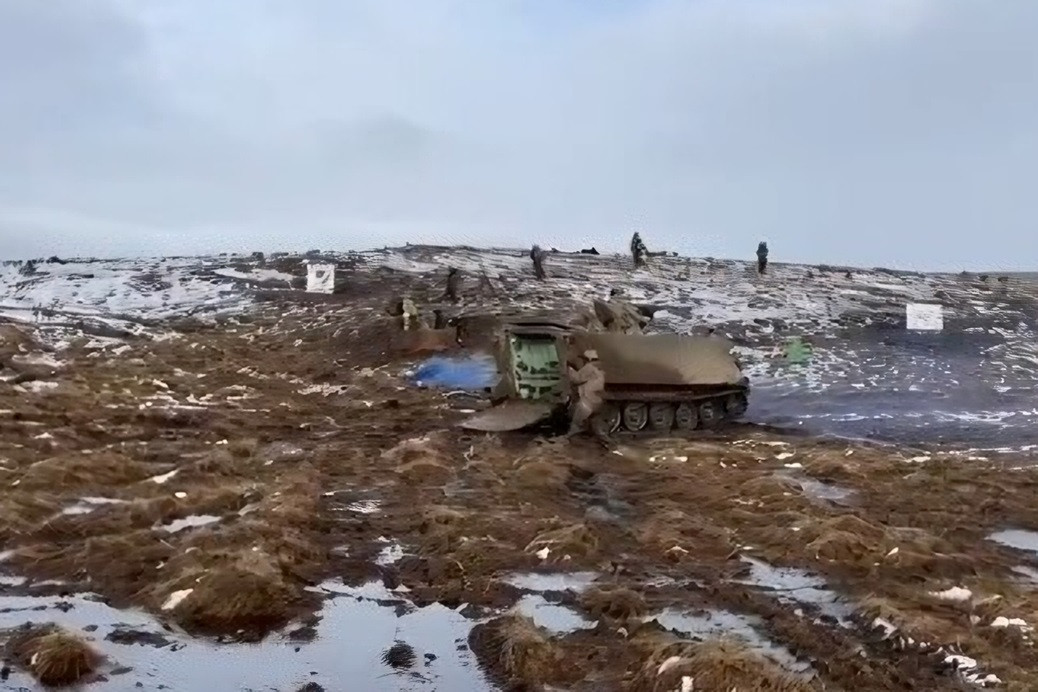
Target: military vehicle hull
[
  {"x": 664, "y": 384},
  {"x": 656, "y": 384}
]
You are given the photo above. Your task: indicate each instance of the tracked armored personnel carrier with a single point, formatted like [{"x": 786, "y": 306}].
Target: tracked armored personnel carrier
[{"x": 656, "y": 384}]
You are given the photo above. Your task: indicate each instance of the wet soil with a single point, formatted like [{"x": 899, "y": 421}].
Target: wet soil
[{"x": 269, "y": 503}]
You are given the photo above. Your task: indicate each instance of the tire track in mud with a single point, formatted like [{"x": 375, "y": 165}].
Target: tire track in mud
[{"x": 839, "y": 652}]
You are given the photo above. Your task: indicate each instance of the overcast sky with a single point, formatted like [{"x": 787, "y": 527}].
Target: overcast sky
[{"x": 873, "y": 132}]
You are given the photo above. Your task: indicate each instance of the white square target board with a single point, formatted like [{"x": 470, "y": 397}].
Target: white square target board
[
  {"x": 924, "y": 317},
  {"x": 320, "y": 278}
]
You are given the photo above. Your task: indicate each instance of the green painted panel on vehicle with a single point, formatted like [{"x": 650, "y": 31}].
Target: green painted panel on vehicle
[{"x": 535, "y": 366}]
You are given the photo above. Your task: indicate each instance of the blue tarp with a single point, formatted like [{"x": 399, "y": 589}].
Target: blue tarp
[{"x": 473, "y": 373}]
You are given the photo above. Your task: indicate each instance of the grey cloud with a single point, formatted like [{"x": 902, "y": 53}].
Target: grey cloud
[{"x": 895, "y": 132}]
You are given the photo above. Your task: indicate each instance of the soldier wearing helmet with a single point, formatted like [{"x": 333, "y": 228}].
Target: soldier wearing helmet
[{"x": 589, "y": 382}]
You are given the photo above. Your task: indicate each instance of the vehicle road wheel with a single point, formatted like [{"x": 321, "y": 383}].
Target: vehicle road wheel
[
  {"x": 736, "y": 405},
  {"x": 710, "y": 414},
  {"x": 605, "y": 421},
  {"x": 661, "y": 417},
  {"x": 685, "y": 418},
  {"x": 635, "y": 416}
]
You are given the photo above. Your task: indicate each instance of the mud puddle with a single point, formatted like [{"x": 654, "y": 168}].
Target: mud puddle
[
  {"x": 554, "y": 617},
  {"x": 601, "y": 502},
  {"x": 723, "y": 623},
  {"x": 354, "y": 502},
  {"x": 1028, "y": 575},
  {"x": 358, "y": 627},
  {"x": 86, "y": 505},
  {"x": 1020, "y": 539},
  {"x": 390, "y": 553},
  {"x": 541, "y": 582},
  {"x": 794, "y": 586},
  {"x": 821, "y": 491},
  {"x": 191, "y": 522}
]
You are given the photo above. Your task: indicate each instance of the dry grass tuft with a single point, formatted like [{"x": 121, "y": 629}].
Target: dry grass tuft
[
  {"x": 847, "y": 539},
  {"x": 715, "y": 664},
  {"x": 218, "y": 462},
  {"x": 128, "y": 561},
  {"x": 541, "y": 474},
  {"x": 22, "y": 513},
  {"x": 613, "y": 603},
  {"x": 424, "y": 472},
  {"x": 577, "y": 540},
  {"x": 517, "y": 652},
  {"x": 676, "y": 533},
  {"x": 419, "y": 461},
  {"x": 249, "y": 595},
  {"x": 73, "y": 471},
  {"x": 440, "y": 516},
  {"x": 769, "y": 487},
  {"x": 918, "y": 623},
  {"x": 54, "y": 656},
  {"x": 243, "y": 448}
]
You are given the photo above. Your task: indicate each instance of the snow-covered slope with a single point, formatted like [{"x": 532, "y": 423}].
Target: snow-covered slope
[{"x": 974, "y": 384}]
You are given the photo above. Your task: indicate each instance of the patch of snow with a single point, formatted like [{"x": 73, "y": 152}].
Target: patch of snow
[
  {"x": 160, "y": 479},
  {"x": 955, "y": 593},
  {"x": 1003, "y": 622},
  {"x": 176, "y": 598},
  {"x": 191, "y": 522}
]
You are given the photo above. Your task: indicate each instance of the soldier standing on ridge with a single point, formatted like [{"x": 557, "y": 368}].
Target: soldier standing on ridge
[
  {"x": 638, "y": 250},
  {"x": 453, "y": 284},
  {"x": 537, "y": 255},
  {"x": 762, "y": 257}
]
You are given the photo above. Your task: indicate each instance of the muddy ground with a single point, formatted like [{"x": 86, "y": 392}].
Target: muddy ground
[{"x": 275, "y": 476}]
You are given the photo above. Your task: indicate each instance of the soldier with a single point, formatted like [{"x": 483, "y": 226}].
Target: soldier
[
  {"x": 537, "y": 255},
  {"x": 762, "y": 257},
  {"x": 409, "y": 314},
  {"x": 453, "y": 285},
  {"x": 589, "y": 382},
  {"x": 638, "y": 250},
  {"x": 439, "y": 321}
]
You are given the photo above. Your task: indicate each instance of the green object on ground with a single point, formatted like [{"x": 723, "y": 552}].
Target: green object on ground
[{"x": 797, "y": 351}]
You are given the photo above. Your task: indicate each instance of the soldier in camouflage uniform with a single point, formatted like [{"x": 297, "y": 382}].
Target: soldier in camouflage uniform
[
  {"x": 453, "y": 285},
  {"x": 589, "y": 382},
  {"x": 537, "y": 255},
  {"x": 638, "y": 250}
]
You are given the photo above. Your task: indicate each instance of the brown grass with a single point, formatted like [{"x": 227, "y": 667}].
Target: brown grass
[
  {"x": 72, "y": 471},
  {"x": 424, "y": 472},
  {"x": 515, "y": 651},
  {"x": 219, "y": 462},
  {"x": 54, "y": 656},
  {"x": 243, "y": 448},
  {"x": 771, "y": 487},
  {"x": 674, "y": 528},
  {"x": 541, "y": 474},
  {"x": 919, "y": 625},
  {"x": 577, "y": 540},
  {"x": 249, "y": 595},
  {"x": 613, "y": 603},
  {"x": 419, "y": 461},
  {"x": 440, "y": 516},
  {"x": 716, "y": 664},
  {"x": 847, "y": 539},
  {"x": 21, "y": 513},
  {"x": 128, "y": 561}
]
